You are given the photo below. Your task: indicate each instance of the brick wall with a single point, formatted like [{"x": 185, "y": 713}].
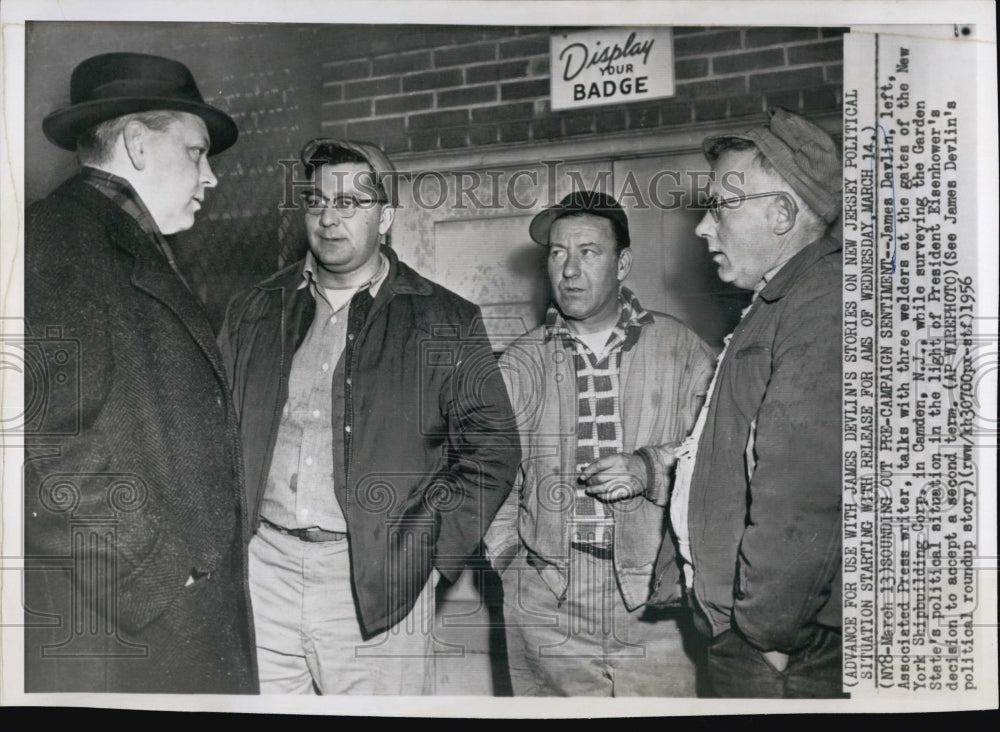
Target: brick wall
[
  {"x": 472, "y": 87},
  {"x": 412, "y": 88}
]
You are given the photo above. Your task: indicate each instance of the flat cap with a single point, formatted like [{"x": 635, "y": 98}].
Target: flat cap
[
  {"x": 804, "y": 154},
  {"x": 321, "y": 148}
]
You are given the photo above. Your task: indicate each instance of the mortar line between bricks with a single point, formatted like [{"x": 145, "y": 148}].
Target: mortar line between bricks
[
  {"x": 792, "y": 67},
  {"x": 755, "y": 49},
  {"x": 382, "y": 97},
  {"x": 763, "y": 70}
]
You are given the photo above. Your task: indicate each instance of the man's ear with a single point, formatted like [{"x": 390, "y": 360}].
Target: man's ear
[
  {"x": 385, "y": 219},
  {"x": 134, "y": 137},
  {"x": 783, "y": 213},
  {"x": 624, "y": 263}
]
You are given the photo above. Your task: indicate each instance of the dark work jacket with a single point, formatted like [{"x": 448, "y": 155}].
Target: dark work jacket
[
  {"x": 426, "y": 449},
  {"x": 132, "y": 474},
  {"x": 765, "y": 505}
]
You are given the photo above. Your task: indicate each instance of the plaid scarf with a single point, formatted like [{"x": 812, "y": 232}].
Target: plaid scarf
[
  {"x": 631, "y": 317},
  {"x": 123, "y": 194}
]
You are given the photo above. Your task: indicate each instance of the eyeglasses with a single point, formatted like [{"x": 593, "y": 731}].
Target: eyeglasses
[
  {"x": 345, "y": 206},
  {"x": 714, "y": 204}
]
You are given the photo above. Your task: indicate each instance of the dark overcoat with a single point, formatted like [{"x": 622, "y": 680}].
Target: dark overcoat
[{"x": 135, "y": 555}]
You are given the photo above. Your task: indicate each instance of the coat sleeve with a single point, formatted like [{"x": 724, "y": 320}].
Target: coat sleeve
[
  {"x": 71, "y": 472},
  {"x": 502, "y": 540},
  {"x": 483, "y": 451},
  {"x": 696, "y": 369},
  {"x": 790, "y": 548}
]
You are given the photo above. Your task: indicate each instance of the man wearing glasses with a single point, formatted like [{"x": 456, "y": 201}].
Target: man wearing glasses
[
  {"x": 378, "y": 441},
  {"x": 757, "y": 487}
]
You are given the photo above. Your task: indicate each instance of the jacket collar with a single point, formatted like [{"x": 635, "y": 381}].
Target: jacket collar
[
  {"x": 134, "y": 236},
  {"x": 798, "y": 264},
  {"x": 402, "y": 280}
]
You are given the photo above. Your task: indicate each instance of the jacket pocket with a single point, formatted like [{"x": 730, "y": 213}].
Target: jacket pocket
[
  {"x": 742, "y": 585},
  {"x": 751, "y": 371}
]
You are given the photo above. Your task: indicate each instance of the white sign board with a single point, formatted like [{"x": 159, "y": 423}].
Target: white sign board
[{"x": 611, "y": 66}]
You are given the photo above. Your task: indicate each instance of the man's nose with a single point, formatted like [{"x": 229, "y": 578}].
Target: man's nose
[
  {"x": 329, "y": 216},
  {"x": 571, "y": 268},
  {"x": 706, "y": 226},
  {"x": 208, "y": 178}
]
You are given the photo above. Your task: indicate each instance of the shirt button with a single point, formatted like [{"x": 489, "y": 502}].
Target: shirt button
[
  {"x": 347, "y": 428},
  {"x": 309, "y": 461},
  {"x": 333, "y": 318},
  {"x": 326, "y": 367},
  {"x": 315, "y": 413},
  {"x": 348, "y": 380},
  {"x": 350, "y": 336},
  {"x": 218, "y": 401}
]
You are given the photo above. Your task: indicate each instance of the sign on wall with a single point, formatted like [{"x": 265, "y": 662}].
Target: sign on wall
[{"x": 611, "y": 66}]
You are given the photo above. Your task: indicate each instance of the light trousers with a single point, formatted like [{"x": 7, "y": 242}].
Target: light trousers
[
  {"x": 308, "y": 635},
  {"x": 590, "y": 644}
]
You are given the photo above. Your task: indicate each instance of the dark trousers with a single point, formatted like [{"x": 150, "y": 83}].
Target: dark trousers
[{"x": 737, "y": 669}]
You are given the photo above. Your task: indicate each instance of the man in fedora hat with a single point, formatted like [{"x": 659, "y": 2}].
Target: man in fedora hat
[
  {"x": 135, "y": 553},
  {"x": 756, "y": 498},
  {"x": 601, "y": 390},
  {"x": 378, "y": 436}
]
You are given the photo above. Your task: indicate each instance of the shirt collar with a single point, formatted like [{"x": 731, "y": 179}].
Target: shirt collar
[
  {"x": 309, "y": 275},
  {"x": 631, "y": 317}
]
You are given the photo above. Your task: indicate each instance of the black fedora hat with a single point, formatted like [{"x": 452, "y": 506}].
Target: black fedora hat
[{"x": 114, "y": 84}]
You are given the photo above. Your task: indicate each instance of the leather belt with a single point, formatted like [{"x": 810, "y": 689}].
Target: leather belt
[
  {"x": 310, "y": 535},
  {"x": 595, "y": 550}
]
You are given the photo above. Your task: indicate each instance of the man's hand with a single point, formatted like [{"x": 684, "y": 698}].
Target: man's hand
[
  {"x": 777, "y": 659},
  {"x": 615, "y": 477}
]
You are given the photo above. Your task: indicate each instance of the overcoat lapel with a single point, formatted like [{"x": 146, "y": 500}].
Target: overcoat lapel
[{"x": 158, "y": 281}]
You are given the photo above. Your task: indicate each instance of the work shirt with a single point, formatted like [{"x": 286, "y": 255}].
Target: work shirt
[{"x": 299, "y": 492}]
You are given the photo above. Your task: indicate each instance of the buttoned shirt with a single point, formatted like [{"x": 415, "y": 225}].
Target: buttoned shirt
[{"x": 299, "y": 492}]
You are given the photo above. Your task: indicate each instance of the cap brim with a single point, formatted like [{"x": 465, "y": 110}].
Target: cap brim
[
  {"x": 540, "y": 225},
  {"x": 64, "y": 126},
  {"x": 708, "y": 142}
]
